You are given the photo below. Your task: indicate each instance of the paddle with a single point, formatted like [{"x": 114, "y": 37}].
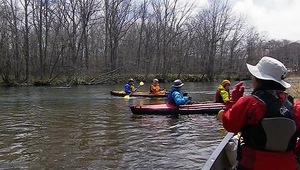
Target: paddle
[{"x": 128, "y": 96}]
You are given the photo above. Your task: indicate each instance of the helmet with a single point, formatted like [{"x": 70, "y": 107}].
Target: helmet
[
  {"x": 130, "y": 80},
  {"x": 155, "y": 80},
  {"x": 177, "y": 83}
]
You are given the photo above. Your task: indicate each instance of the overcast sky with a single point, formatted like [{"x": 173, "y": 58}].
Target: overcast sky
[{"x": 277, "y": 19}]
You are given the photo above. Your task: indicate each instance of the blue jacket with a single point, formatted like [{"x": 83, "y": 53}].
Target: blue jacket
[
  {"x": 175, "y": 96},
  {"x": 128, "y": 88}
]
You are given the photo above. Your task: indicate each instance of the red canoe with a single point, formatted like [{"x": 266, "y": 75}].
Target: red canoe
[{"x": 167, "y": 109}]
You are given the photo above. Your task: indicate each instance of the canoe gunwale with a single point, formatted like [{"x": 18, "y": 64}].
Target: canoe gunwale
[{"x": 218, "y": 159}]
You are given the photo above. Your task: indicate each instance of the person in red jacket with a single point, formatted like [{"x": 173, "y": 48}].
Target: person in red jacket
[{"x": 268, "y": 119}]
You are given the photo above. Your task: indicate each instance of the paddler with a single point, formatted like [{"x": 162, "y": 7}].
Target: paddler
[
  {"x": 268, "y": 119},
  {"x": 175, "y": 96},
  {"x": 129, "y": 86},
  {"x": 155, "y": 88},
  {"x": 222, "y": 92}
]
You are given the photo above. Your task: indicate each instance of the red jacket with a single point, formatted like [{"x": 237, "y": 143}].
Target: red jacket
[{"x": 250, "y": 110}]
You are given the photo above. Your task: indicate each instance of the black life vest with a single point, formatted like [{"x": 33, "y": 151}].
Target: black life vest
[
  {"x": 277, "y": 130},
  {"x": 218, "y": 97}
]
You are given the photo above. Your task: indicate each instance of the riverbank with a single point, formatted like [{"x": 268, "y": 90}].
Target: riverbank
[
  {"x": 295, "y": 89},
  {"x": 114, "y": 79}
]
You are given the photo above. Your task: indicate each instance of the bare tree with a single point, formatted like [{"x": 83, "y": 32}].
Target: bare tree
[
  {"x": 10, "y": 41},
  {"x": 26, "y": 38},
  {"x": 213, "y": 24},
  {"x": 170, "y": 21},
  {"x": 118, "y": 21},
  {"x": 233, "y": 49},
  {"x": 41, "y": 40}
]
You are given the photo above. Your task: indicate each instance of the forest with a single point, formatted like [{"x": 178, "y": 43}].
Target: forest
[{"x": 44, "y": 42}]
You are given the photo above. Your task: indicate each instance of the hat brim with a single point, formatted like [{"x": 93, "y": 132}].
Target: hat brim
[
  {"x": 258, "y": 74},
  {"x": 178, "y": 85}
]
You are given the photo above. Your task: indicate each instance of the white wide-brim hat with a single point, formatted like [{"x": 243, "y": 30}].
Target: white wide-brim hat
[{"x": 270, "y": 69}]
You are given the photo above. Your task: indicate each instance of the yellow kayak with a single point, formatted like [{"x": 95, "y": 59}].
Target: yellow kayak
[{"x": 138, "y": 94}]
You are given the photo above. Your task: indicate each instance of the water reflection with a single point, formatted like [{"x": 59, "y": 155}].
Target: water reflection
[{"x": 84, "y": 127}]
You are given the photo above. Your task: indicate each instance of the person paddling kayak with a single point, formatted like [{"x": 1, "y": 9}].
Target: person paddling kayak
[
  {"x": 268, "y": 119},
  {"x": 222, "y": 92},
  {"x": 175, "y": 96},
  {"x": 129, "y": 86},
  {"x": 155, "y": 88}
]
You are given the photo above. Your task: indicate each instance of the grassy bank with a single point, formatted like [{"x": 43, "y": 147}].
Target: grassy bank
[
  {"x": 111, "y": 79},
  {"x": 295, "y": 89}
]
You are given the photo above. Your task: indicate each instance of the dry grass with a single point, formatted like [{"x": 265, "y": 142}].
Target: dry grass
[{"x": 295, "y": 89}]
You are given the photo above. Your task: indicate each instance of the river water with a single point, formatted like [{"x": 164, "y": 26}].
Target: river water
[{"x": 84, "y": 127}]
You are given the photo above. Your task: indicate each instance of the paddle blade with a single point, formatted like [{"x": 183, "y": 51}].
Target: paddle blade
[
  {"x": 141, "y": 83},
  {"x": 127, "y": 97}
]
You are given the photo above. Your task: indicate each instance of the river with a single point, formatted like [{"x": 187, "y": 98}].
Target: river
[{"x": 84, "y": 127}]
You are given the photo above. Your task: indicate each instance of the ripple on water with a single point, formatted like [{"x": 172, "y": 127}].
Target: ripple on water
[{"x": 86, "y": 128}]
